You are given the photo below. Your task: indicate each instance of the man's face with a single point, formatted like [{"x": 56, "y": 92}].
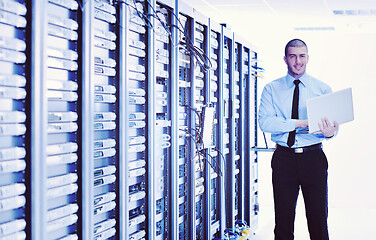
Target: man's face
[{"x": 296, "y": 60}]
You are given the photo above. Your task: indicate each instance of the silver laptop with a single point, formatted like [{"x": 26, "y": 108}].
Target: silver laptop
[{"x": 336, "y": 106}]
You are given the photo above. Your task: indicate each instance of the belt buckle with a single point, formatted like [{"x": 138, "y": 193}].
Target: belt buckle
[{"x": 299, "y": 150}]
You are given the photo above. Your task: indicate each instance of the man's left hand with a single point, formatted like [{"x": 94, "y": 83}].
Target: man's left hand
[{"x": 327, "y": 129}]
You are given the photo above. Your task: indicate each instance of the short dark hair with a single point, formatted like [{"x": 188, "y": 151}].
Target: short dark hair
[{"x": 295, "y": 43}]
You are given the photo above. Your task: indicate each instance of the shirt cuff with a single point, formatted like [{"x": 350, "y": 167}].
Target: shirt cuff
[{"x": 292, "y": 124}]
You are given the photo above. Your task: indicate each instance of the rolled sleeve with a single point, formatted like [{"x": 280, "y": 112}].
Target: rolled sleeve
[{"x": 267, "y": 115}]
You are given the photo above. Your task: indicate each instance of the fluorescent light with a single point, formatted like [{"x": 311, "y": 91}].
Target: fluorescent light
[{"x": 355, "y": 12}]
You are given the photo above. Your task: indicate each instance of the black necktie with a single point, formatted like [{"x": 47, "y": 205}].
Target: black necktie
[{"x": 294, "y": 113}]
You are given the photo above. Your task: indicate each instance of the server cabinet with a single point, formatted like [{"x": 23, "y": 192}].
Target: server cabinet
[
  {"x": 100, "y": 123},
  {"x": 14, "y": 112},
  {"x": 248, "y": 203},
  {"x": 186, "y": 122},
  {"x": 228, "y": 123},
  {"x": 163, "y": 114},
  {"x": 60, "y": 103},
  {"x": 136, "y": 54},
  {"x": 199, "y": 175},
  {"x": 238, "y": 120},
  {"x": 250, "y": 76},
  {"x": 253, "y": 167},
  {"x": 198, "y": 94},
  {"x": 241, "y": 106},
  {"x": 237, "y": 136},
  {"x": 247, "y": 133},
  {"x": 216, "y": 157}
]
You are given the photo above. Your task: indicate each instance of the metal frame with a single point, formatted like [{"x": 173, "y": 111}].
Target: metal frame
[
  {"x": 87, "y": 123},
  {"x": 242, "y": 137},
  {"x": 174, "y": 165},
  {"x": 207, "y": 209},
  {"x": 248, "y": 144},
  {"x": 151, "y": 122},
  {"x": 192, "y": 167},
  {"x": 38, "y": 121},
  {"x": 123, "y": 123},
  {"x": 230, "y": 163},
  {"x": 221, "y": 131}
]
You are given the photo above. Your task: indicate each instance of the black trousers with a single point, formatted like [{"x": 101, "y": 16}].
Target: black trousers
[{"x": 292, "y": 171}]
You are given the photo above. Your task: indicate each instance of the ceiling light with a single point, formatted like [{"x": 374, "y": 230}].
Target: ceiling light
[
  {"x": 314, "y": 29},
  {"x": 355, "y": 12}
]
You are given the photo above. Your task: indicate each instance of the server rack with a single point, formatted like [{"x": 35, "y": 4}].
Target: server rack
[
  {"x": 164, "y": 132},
  {"x": 237, "y": 107},
  {"x": 239, "y": 124},
  {"x": 192, "y": 99},
  {"x": 248, "y": 141},
  {"x": 228, "y": 123},
  {"x": 14, "y": 130},
  {"x": 217, "y": 190},
  {"x": 198, "y": 90},
  {"x": 250, "y": 75},
  {"x": 200, "y": 175},
  {"x": 102, "y": 128},
  {"x": 253, "y": 193},
  {"x": 136, "y": 53},
  {"x": 61, "y": 104},
  {"x": 248, "y": 188},
  {"x": 103, "y": 107},
  {"x": 187, "y": 211}
]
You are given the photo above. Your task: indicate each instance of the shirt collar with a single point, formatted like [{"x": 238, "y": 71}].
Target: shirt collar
[{"x": 303, "y": 79}]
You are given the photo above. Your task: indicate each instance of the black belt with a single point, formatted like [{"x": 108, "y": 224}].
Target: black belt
[{"x": 301, "y": 149}]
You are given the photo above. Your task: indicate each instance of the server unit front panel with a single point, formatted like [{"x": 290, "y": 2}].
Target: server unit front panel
[
  {"x": 162, "y": 115},
  {"x": 106, "y": 131},
  {"x": 215, "y": 156},
  {"x": 137, "y": 55},
  {"x": 228, "y": 126},
  {"x": 13, "y": 115},
  {"x": 185, "y": 135},
  {"x": 62, "y": 140}
]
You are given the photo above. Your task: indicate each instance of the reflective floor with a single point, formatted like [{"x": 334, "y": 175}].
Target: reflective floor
[{"x": 344, "y": 224}]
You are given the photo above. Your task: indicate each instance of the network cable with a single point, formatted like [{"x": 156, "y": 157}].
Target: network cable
[
  {"x": 202, "y": 59},
  {"x": 217, "y": 164},
  {"x": 143, "y": 16}
]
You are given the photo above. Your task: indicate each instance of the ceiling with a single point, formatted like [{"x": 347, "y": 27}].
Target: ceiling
[{"x": 299, "y": 14}]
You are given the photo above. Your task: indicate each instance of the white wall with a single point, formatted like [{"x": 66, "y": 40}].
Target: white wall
[{"x": 349, "y": 60}]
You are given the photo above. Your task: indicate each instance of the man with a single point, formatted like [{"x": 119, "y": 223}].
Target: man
[{"x": 298, "y": 161}]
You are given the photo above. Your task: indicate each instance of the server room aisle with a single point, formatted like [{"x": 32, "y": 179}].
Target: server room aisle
[{"x": 344, "y": 223}]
